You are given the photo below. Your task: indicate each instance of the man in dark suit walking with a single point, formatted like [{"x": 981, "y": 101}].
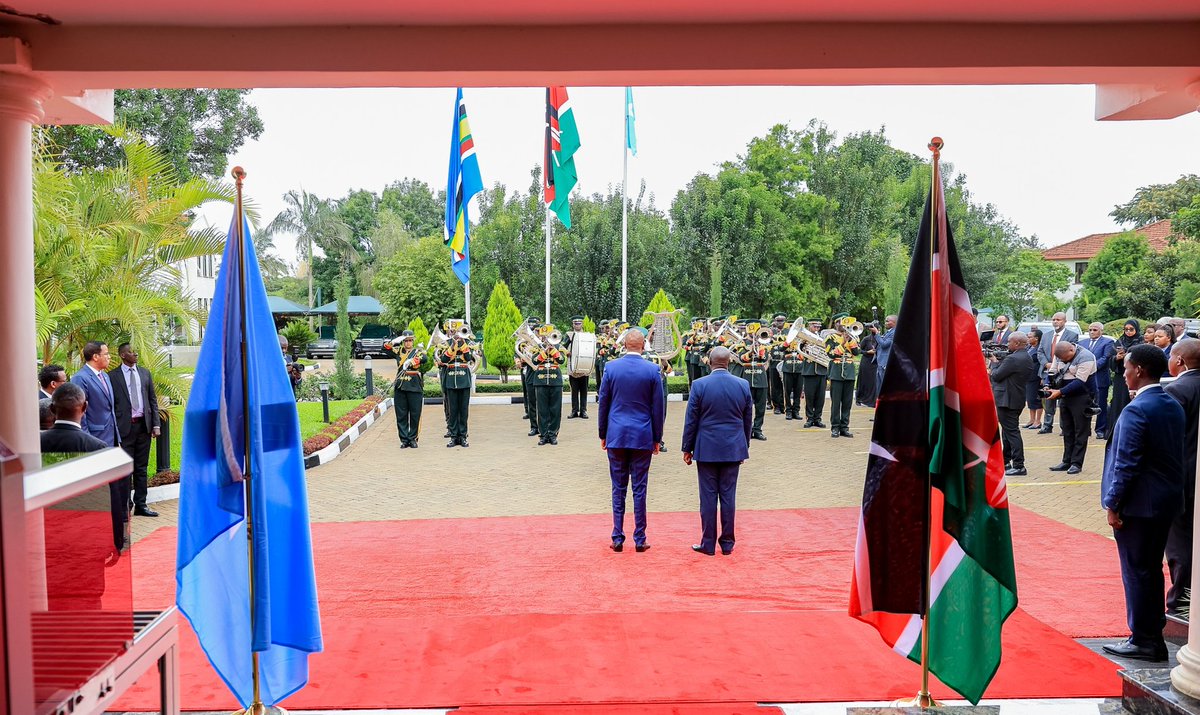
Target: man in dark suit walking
[
  {"x": 716, "y": 434},
  {"x": 138, "y": 420},
  {"x": 1009, "y": 377},
  {"x": 1183, "y": 364},
  {"x": 630, "y": 412},
  {"x": 1142, "y": 489}
]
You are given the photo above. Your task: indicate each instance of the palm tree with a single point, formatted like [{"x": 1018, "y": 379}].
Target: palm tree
[
  {"x": 312, "y": 220},
  {"x": 108, "y": 247}
]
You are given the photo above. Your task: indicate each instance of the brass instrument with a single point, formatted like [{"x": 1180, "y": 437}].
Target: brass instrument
[
  {"x": 437, "y": 338},
  {"x": 527, "y": 342},
  {"x": 553, "y": 337},
  {"x": 664, "y": 337},
  {"x": 811, "y": 345}
]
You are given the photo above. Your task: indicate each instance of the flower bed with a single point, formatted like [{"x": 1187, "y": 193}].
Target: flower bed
[{"x": 337, "y": 428}]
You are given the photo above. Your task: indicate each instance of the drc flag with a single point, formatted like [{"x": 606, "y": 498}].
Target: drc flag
[{"x": 462, "y": 185}]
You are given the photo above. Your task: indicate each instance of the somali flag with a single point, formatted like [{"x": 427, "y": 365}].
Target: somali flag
[
  {"x": 462, "y": 184},
  {"x": 630, "y": 119},
  {"x": 212, "y": 566}
]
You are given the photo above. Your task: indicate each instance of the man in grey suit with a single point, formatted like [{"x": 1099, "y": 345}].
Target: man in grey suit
[
  {"x": 883, "y": 350},
  {"x": 138, "y": 421},
  {"x": 1050, "y": 338},
  {"x": 1008, "y": 387}
]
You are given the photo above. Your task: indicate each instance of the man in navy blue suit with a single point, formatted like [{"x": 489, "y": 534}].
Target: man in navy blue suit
[
  {"x": 716, "y": 434},
  {"x": 1142, "y": 489},
  {"x": 631, "y": 426},
  {"x": 1103, "y": 347},
  {"x": 100, "y": 419}
]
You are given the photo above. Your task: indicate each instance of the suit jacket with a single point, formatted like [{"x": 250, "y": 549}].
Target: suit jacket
[
  {"x": 631, "y": 403},
  {"x": 1044, "y": 354},
  {"x": 883, "y": 347},
  {"x": 719, "y": 416},
  {"x": 1103, "y": 348},
  {"x": 1009, "y": 379},
  {"x": 1186, "y": 391},
  {"x": 43, "y": 395},
  {"x": 1143, "y": 464},
  {"x": 1001, "y": 337},
  {"x": 100, "y": 420},
  {"x": 69, "y": 438},
  {"x": 123, "y": 405}
]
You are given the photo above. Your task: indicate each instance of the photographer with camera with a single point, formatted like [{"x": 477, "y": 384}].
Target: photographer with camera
[
  {"x": 1073, "y": 383},
  {"x": 1009, "y": 374}
]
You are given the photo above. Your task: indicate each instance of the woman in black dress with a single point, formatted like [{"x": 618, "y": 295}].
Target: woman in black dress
[
  {"x": 867, "y": 389},
  {"x": 1131, "y": 335}
]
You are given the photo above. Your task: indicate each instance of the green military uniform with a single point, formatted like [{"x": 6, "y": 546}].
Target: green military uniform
[
  {"x": 755, "y": 360},
  {"x": 814, "y": 392},
  {"x": 527, "y": 391},
  {"x": 408, "y": 394},
  {"x": 791, "y": 365},
  {"x": 579, "y": 385},
  {"x": 548, "y": 382},
  {"x": 604, "y": 343},
  {"x": 691, "y": 351},
  {"x": 456, "y": 358},
  {"x": 841, "y": 348},
  {"x": 774, "y": 377}
]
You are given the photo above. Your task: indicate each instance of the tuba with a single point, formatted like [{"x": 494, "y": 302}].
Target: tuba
[
  {"x": 813, "y": 347},
  {"x": 527, "y": 341}
]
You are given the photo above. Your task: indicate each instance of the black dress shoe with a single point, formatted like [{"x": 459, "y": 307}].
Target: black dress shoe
[
  {"x": 1074, "y": 469},
  {"x": 525, "y": 416},
  {"x": 726, "y": 552},
  {"x": 452, "y": 443},
  {"x": 820, "y": 424},
  {"x": 662, "y": 447},
  {"x": 413, "y": 445},
  {"x": 1015, "y": 472},
  {"x": 1046, "y": 430},
  {"x": 615, "y": 546},
  {"x": 554, "y": 440},
  {"x": 789, "y": 416},
  {"x": 758, "y": 436},
  {"x": 533, "y": 432},
  {"x": 463, "y": 442},
  {"x": 700, "y": 550},
  {"x": 583, "y": 416},
  {"x": 144, "y": 511},
  {"x": 573, "y": 415},
  {"x": 641, "y": 547},
  {"x": 542, "y": 441},
  {"x": 447, "y": 434},
  {"x": 1099, "y": 435},
  {"x": 780, "y": 412},
  {"x": 404, "y": 445},
  {"x": 1060, "y": 467},
  {"x": 846, "y": 433},
  {"x": 1137, "y": 652},
  {"x": 835, "y": 433}
]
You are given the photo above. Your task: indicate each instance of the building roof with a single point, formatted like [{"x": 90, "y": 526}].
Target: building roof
[
  {"x": 283, "y": 306},
  {"x": 1086, "y": 248},
  {"x": 357, "y": 305}
]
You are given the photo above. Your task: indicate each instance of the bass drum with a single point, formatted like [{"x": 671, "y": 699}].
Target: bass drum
[{"x": 583, "y": 355}]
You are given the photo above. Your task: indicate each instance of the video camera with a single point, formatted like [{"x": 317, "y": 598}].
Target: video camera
[{"x": 995, "y": 351}]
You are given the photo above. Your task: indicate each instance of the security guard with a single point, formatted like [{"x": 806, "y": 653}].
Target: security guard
[
  {"x": 456, "y": 358},
  {"x": 408, "y": 390},
  {"x": 791, "y": 361},
  {"x": 814, "y": 386},
  {"x": 841, "y": 347},
  {"x": 579, "y": 385},
  {"x": 547, "y": 382},
  {"x": 774, "y": 378},
  {"x": 755, "y": 359}
]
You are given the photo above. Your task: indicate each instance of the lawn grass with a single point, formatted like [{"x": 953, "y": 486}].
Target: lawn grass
[{"x": 310, "y": 424}]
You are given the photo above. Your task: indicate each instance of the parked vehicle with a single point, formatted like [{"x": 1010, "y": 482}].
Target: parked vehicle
[
  {"x": 324, "y": 345},
  {"x": 370, "y": 341}
]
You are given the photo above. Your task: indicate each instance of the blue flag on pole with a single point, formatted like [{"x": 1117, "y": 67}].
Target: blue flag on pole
[
  {"x": 212, "y": 564},
  {"x": 462, "y": 185},
  {"x": 630, "y": 130}
]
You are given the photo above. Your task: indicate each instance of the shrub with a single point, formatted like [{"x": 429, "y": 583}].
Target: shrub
[{"x": 298, "y": 335}]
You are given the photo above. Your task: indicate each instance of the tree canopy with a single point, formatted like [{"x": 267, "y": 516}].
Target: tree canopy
[{"x": 1158, "y": 201}]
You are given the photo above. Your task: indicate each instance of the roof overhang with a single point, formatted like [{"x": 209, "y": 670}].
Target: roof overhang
[{"x": 1143, "y": 57}]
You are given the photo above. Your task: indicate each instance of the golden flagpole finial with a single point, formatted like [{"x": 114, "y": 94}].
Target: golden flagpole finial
[
  {"x": 935, "y": 146},
  {"x": 238, "y": 174}
]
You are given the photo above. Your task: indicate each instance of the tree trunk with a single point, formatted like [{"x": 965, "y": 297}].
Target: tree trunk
[{"x": 504, "y": 375}]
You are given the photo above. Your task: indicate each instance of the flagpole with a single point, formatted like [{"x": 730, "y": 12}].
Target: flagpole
[
  {"x": 256, "y": 705},
  {"x": 924, "y": 699},
  {"x": 625, "y": 219},
  {"x": 547, "y": 318},
  {"x": 467, "y": 290}
]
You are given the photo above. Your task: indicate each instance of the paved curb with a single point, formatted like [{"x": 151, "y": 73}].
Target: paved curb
[
  {"x": 166, "y": 492},
  {"x": 348, "y": 437},
  {"x": 520, "y": 400}
]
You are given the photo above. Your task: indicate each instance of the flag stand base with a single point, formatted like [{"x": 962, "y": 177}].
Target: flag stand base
[
  {"x": 921, "y": 700},
  {"x": 260, "y": 709}
]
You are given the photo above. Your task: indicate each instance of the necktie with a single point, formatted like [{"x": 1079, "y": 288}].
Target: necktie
[
  {"x": 103, "y": 383},
  {"x": 135, "y": 389}
]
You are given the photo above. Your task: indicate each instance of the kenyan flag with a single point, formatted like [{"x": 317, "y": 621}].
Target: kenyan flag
[
  {"x": 562, "y": 141},
  {"x": 935, "y": 485}
]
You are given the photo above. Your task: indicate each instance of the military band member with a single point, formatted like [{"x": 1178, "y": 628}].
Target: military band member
[
  {"x": 547, "y": 382},
  {"x": 791, "y": 364},
  {"x": 604, "y": 342},
  {"x": 456, "y": 358},
  {"x": 408, "y": 390},
  {"x": 841, "y": 347},
  {"x": 774, "y": 377},
  {"x": 527, "y": 390},
  {"x": 755, "y": 359},
  {"x": 579, "y": 385},
  {"x": 691, "y": 348},
  {"x": 814, "y": 385}
]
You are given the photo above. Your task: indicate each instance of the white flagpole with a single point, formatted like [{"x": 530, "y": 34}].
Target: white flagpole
[
  {"x": 547, "y": 318},
  {"x": 625, "y": 220},
  {"x": 467, "y": 288}
]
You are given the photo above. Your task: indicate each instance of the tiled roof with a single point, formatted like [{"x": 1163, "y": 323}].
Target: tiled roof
[{"x": 1087, "y": 247}]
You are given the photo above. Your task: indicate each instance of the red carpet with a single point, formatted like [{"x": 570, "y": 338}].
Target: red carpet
[
  {"x": 537, "y": 611},
  {"x": 611, "y": 709}
]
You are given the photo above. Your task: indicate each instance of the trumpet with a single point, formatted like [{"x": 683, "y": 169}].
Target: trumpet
[
  {"x": 852, "y": 326},
  {"x": 554, "y": 338},
  {"x": 406, "y": 363}
]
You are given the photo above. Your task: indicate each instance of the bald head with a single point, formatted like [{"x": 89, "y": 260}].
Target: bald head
[
  {"x": 635, "y": 342},
  {"x": 1064, "y": 351},
  {"x": 1189, "y": 352},
  {"x": 718, "y": 358}
]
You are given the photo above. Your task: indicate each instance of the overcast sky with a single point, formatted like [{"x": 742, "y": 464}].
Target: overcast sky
[{"x": 1036, "y": 153}]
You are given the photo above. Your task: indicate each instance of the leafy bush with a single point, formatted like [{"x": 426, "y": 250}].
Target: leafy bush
[
  {"x": 343, "y": 376},
  {"x": 503, "y": 317},
  {"x": 338, "y": 427},
  {"x": 310, "y": 391},
  {"x": 298, "y": 335}
]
